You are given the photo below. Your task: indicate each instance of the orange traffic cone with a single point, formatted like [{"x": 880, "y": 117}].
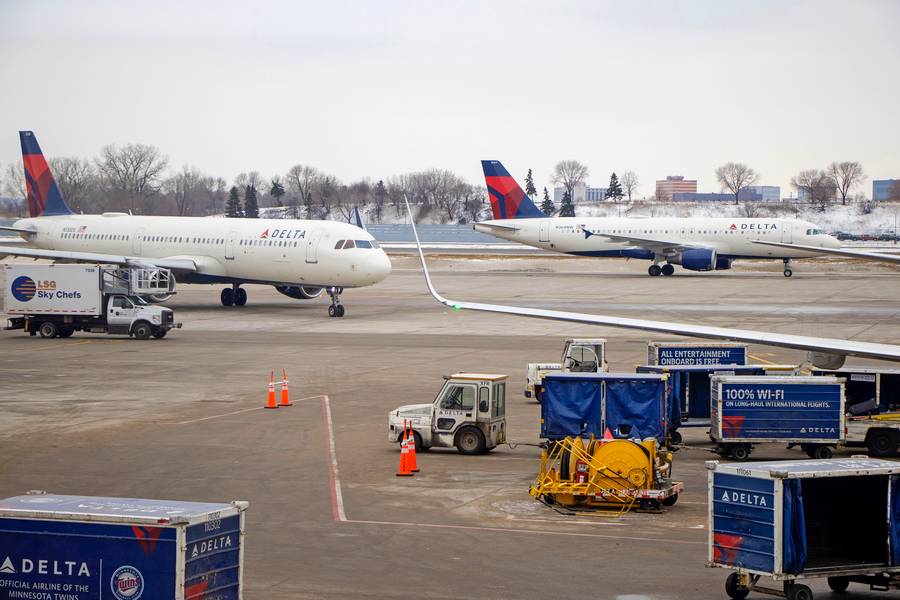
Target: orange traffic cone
[
  {"x": 270, "y": 402},
  {"x": 285, "y": 398},
  {"x": 411, "y": 451},
  {"x": 404, "y": 457},
  {"x": 608, "y": 435}
]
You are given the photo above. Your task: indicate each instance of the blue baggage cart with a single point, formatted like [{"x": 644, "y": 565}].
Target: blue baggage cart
[
  {"x": 93, "y": 548},
  {"x": 795, "y": 521}
]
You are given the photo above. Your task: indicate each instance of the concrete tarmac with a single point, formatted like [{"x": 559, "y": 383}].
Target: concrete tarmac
[{"x": 181, "y": 418}]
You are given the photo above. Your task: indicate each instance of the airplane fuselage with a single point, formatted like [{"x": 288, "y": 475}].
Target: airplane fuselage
[
  {"x": 275, "y": 251},
  {"x": 730, "y": 238}
]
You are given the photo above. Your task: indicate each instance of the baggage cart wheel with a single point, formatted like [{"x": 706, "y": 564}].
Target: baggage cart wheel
[
  {"x": 733, "y": 587},
  {"x": 797, "y": 591},
  {"x": 880, "y": 443},
  {"x": 741, "y": 452},
  {"x": 48, "y": 329},
  {"x": 820, "y": 452},
  {"x": 670, "y": 501},
  {"x": 839, "y": 584},
  {"x": 675, "y": 438}
]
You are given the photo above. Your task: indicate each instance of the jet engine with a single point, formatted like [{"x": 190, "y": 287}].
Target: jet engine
[
  {"x": 723, "y": 264},
  {"x": 826, "y": 360},
  {"x": 300, "y": 292},
  {"x": 696, "y": 259}
]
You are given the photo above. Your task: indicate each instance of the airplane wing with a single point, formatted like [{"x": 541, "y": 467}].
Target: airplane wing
[
  {"x": 799, "y": 342},
  {"x": 177, "y": 264},
  {"x": 878, "y": 256},
  {"x": 17, "y": 229},
  {"x": 660, "y": 246}
]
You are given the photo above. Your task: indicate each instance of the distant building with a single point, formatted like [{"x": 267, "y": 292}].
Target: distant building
[
  {"x": 674, "y": 184},
  {"x": 745, "y": 195},
  {"x": 882, "y": 189},
  {"x": 581, "y": 193},
  {"x": 768, "y": 193}
]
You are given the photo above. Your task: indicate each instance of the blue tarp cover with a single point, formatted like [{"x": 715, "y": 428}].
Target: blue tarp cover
[
  {"x": 794, "y": 542},
  {"x": 895, "y": 520},
  {"x": 573, "y": 402}
]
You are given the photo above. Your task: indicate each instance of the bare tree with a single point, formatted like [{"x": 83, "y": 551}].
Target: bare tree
[
  {"x": 475, "y": 197},
  {"x": 815, "y": 185},
  {"x": 300, "y": 180},
  {"x": 215, "y": 189},
  {"x": 14, "y": 180},
  {"x": 629, "y": 181},
  {"x": 569, "y": 173},
  {"x": 379, "y": 198},
  {"x": 184, "y": 188},
  {"x": 77, "y": 181},
  {"x": 735, "y": 177},
  {"x": 845, "y": 176},
  {"x": 750, "y": 210},
  {"x": 132, "y": 173}
]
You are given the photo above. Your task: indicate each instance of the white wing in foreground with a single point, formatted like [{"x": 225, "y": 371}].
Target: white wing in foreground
[
  {"x": 877, "y": 256},
  {"x": 799, "y": 342},
  {"x": 177, "y": 264}
]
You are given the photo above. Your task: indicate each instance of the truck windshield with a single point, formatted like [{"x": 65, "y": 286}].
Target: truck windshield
[
  {"x": 459, "y": 397},
  {"x": 499, "y": 408},
  {"x": 583, "y": 359}
]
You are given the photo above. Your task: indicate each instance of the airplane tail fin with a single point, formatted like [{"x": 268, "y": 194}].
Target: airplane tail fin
[
  {"x": 44, "y": 198},
  {"x": 356, "y": 218},
  {"x": 508, "y": 201}
]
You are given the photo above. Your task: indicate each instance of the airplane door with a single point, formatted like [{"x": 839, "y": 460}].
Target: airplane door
[
  {"x": 545, "y": 231},
  {"x": 787, "y": 234},
  {"x": 312, "y": 246},
  {"x": 229, "y": 245},
  {"x": 137, "y": 240}
]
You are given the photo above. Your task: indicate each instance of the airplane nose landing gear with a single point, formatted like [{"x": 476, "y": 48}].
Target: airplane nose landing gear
[
  {"x": 787, "y": 267},
  {"x": 336, "y": 309}
]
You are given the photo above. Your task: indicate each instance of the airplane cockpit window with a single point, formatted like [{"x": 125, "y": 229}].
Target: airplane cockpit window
[
  {"x": 363, "y": 244},
  {"x": 375, "y": 244},
  {"x": 349, "y": 244}
]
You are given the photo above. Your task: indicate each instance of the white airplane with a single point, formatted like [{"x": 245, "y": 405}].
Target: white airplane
[
  {"x": 299, "y": 258},
  {"x": 697, "y": 244},
  {"x": 825, "y": 353}
]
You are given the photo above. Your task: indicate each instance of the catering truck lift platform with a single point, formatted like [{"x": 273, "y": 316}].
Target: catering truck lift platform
[{"x": 795, "y": 521}]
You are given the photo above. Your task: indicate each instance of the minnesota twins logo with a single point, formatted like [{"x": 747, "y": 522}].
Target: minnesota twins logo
[
  {"x": 23, "y": 288},
  {"x": 127, "y": 583}
]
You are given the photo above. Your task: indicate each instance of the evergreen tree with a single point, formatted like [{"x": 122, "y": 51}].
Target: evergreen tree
[
  {"x": 277, "y": 191},
  {"x": 566, "y": 207},
  {"x": 547, "y": 206},
  {"x": 251, "y": 207},
  {"x": 614, "y": 190},
  {"x": 530, "y": 190},
  {"x": 233, "y": 208}
]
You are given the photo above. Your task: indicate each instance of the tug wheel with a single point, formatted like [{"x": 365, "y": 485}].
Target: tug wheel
[{"x": 734, "y": 589}]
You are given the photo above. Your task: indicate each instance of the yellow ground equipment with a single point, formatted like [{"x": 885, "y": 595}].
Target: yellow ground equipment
[{"x": 606, "y": 473}]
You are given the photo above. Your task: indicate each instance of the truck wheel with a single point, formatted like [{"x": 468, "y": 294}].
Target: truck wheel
[
  {"x": 48, "y": 330},
  {"x": 734, "y": 589},
  {"x": 670, "y": 501},
  {"x": 740, "y": 452},
  {"x": 160, "y": 333},
  {"x": 470, "y": 441},
  {"x": 881, "y": 443},
  {"x": 418, "y": 442},
  {"x": 839, "y": 584},
  {"x": 141, "y": 330},
  {"x": 675, "y": 438},
  {"x": 65, "y": 332}
]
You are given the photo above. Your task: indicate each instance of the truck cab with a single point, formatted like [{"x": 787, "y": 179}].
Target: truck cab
[
  {"x": 469, "y": 413},
  {"x": 580, "y": 355},
  {"x": 131, "y": 315}
]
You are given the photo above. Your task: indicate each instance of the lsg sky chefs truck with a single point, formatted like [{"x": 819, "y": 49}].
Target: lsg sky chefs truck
[{"x": 58, "y": 300}]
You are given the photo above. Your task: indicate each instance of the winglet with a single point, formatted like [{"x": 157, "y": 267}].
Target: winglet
[{"x": 431, "y": 289}]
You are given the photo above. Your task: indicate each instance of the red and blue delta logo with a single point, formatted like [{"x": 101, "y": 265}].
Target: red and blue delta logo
[
  {"x": 23, "y": 288},
  {"x": 127, "y": 583}
]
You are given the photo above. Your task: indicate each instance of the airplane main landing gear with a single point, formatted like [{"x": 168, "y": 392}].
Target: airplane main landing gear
[
  {"x": 336, "y": 309},
  {"x": 787, "y": 267},
  {"x": 668, "y": 270},
  {"x": 235, "y": 295},
  {"x": 654, "y": 270}
]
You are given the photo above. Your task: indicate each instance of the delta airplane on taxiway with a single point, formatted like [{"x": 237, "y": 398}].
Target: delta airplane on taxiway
[
  {"x": 299, "y": 258},
  {"x": 697, "y": 244}
]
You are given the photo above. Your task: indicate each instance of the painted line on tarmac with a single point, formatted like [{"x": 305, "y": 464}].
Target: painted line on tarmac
[
  {"x": 760, "y": 359},
  {"x": 534, "y": 531},
  {"x": 337, "y": 497},
  {"x": 229, "y": 414}
]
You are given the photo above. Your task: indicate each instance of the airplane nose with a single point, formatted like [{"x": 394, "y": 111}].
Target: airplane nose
[
  {"x": 832, "y": 242},
  {"x": 379, "y": 266}
]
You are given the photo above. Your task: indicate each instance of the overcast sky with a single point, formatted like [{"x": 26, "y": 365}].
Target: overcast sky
[{"x": 379, "y": 88}]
